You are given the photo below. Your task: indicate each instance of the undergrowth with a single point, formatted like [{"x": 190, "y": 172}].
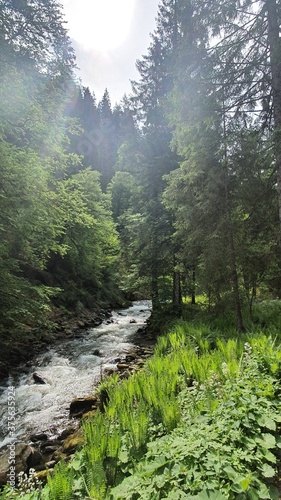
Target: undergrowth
[{"x": 201, "y": 421}]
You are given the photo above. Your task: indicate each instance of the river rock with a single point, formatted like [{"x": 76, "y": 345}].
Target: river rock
[
  {"x": 122, "y": 366},
  {"x": 81, "y": 324},
  {"x": 72, "y": 442},
  {"x": 43, "y": 475},
  {"x": 109, "y": 371},
  {"x": 50, "y": 443},
  {"x": 82, "y": 405},
  {"x": 51, "y": 464},
  {"x": 58, "y": 455},
  {"x": 97, "y": 352},
  {"x": 35, "y": 458},
  {"x": 38, "y": 378},
  {"x": 130, "y": 358},
  {"x": 38, "y": 437},
  {"x": 24, "y": 455},
  {"x": 40, "y": 467},
  {"x": 66, "y": 432},
  {"x": 50, "y": 449},
  {"x": 133, "y": 321}
]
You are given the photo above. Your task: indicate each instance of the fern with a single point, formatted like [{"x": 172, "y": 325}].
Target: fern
[{"x": 61, "y": 483}]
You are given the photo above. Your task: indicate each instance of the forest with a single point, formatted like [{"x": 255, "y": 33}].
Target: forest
[
  {"x": 173, "y": 195},
  {"x": 175, "y": 191}
]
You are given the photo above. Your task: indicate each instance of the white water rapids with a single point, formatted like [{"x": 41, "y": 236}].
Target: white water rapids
[{"x": 70, "y": 369}]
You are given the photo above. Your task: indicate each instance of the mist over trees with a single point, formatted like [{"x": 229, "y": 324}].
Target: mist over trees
[
  {"x": 173, "y": 192},
  {"x": 210, "y": 90}
]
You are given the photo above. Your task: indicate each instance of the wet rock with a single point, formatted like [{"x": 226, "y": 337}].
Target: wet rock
[
  {"x": 109, "y": 371},
  {"x": 50, "y": 450},
  {"x": 97, "y": 352},
  {"x": 130, "y": 358},
  {"x": 51, "y": 464},
  {"x": 50, "y": 443},
  {"x": 43, "y": 475},
  {"x": 35, "y": 458},
  {"x": 140, "y": 362},
  {"x": 39, "y": 468},
  {"x": 72, "y": 442},
  {"x": 66, "y": 432},
  {"x": 133, "y": 321},
  {"x": 19, "y": 453},
  {"x": 58, "y": 455},
  {"x": 122, "y": 366},
  {"x": 38, "y": 437},
  {"x": 81, "y": 324},
  {"x": 39, "y": 379},
  {"x": 82, "y": 405},
  {"x": 89, "y": 414}
]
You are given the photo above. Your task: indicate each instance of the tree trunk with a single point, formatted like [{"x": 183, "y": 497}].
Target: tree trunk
[
  {"x": 275, "y": 63},
  {"x": 235, "y": 284},
  {"x": 193, "y": 292},
  {"x": 229, "y": 230},
  {"x": 177, "y": 299}
]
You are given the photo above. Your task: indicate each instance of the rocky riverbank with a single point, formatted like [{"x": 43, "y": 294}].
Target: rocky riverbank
[
  {"x": 41, "y": 453},
  {"x": 21, "y": 347}
]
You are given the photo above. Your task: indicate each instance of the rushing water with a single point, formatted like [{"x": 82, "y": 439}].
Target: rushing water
[{"x": 70, "y": 369}]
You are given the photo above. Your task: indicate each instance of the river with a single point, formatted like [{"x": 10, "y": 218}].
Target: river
[{"x": 71, "y": 368}]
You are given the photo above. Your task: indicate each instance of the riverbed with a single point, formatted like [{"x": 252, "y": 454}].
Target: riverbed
[{"x": 70, "y": 369}]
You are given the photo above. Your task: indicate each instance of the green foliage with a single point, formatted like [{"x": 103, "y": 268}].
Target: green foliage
[
  {"x": 60, "y": 485},
  {"x": 201, "y": 420},
  {"x": 226, "y": 443}
]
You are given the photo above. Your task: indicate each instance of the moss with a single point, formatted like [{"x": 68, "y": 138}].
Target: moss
[{"x": 73, "y": 441}]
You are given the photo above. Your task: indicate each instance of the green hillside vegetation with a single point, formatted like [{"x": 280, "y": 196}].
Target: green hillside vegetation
[
  {"x": 171, "y": 195},
  {"x": 200, "y": 421}
]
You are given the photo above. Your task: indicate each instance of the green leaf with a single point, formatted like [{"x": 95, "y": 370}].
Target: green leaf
[
  {"x": 245, "y": 483},
  {"x": 237, "y": 488},
  {"x": 232, "y": 474},
  {"x": 268, "y": 441},
  {"x": 267, "y": 422},
  {"x": 268, "y": 471},
  {"x": 153, "y": 466},
  {"x": 269, "y": 456},
  {"x": 274, "y": 493},
  {"x": 253, "y": 494},
  {"x": 210, "y": 495}
]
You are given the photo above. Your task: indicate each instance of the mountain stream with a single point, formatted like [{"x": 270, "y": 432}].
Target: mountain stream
[{"x": 71, "y": 369}]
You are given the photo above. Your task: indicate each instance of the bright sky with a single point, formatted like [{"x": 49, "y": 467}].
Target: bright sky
[{"x": 108, "y": 37}]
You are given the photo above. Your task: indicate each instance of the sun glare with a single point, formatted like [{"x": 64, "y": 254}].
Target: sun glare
[{"x": 99, "y": 24}]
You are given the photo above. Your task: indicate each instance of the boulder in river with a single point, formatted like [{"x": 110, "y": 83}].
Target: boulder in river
[
  {"x": 38, "y": 378},
  {"x": 83, "y": 405},
  {"x": 38, "y": 437}
]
